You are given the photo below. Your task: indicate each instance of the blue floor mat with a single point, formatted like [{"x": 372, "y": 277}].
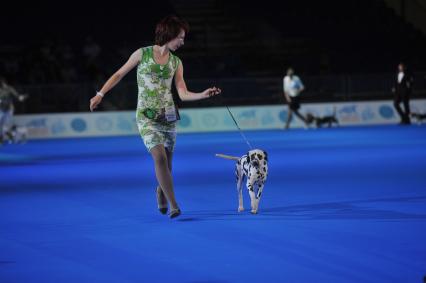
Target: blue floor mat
[{"x": 340, "y": 205}]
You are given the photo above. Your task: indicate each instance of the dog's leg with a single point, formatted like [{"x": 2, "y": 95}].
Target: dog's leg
[
  {"x": 240, "y": 195},
  {"x": 253, "y": 202},
  {"x": 253, "y": 199},
  {"x": 258, "y": 195},
  {"x": 239, "y": 175}
]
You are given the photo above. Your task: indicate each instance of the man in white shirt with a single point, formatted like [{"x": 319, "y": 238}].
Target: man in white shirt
[{"x": 292, "y": 86}]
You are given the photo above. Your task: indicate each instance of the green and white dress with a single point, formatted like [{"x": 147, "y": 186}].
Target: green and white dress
[{"x": 154, "y": 99}]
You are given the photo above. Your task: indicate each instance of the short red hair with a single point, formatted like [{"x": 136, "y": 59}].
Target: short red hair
[{"x": 169, "y": 28}]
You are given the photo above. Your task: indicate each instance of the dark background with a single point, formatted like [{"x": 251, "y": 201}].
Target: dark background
[{"x": 342, "y": 49}]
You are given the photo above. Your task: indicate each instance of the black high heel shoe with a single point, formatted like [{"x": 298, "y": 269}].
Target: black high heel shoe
[
  {"x": 174, "y": 213},
  {"x": 161, "y": 207}
]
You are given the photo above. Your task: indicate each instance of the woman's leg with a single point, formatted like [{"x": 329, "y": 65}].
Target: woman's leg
[
  {"x": 163, "y": 173},
  {"x": 289, "y": 116},
  {"x": 162, "y": 201}
]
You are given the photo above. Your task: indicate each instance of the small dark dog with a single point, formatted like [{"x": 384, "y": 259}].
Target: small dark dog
[
  {"x": 419, "y": 117},
  {"x": 252, "y": 166},
  {"x": 320, "y": 121}
]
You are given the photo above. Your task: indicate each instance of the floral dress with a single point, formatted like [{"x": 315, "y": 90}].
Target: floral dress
[{"x": 156, "y": 111}]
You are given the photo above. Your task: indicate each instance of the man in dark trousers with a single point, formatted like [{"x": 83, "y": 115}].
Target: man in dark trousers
[{"x": 402, "y": 93}]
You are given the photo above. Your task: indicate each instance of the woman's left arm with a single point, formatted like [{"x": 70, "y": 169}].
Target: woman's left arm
[{"x": 187, "y": 95}]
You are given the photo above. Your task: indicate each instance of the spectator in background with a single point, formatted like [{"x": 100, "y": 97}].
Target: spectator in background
[
  {"x": 91, "y": 52},
  {"x": 402, "y": 92},
  {"x": 49, "y": 62},
  {"x": 7, "y": 94},
  {"x": 68, "y": 72},
  {"x": 293, "y": 86}
]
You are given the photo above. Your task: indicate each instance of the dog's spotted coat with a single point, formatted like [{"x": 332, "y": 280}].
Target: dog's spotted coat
[{"x": 254, "y": 167}]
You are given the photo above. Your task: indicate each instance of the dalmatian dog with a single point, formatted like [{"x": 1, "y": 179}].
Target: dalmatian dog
[{"x": 253, "y": 167}]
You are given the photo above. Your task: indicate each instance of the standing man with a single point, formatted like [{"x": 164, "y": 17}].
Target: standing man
[
  {"x": 402, "y": 92},
  {"x": 293, "y": 86}
]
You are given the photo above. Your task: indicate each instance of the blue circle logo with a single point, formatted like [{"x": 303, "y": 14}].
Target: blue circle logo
[
  {"x": 124, "y": 124},
  {"x": 104, "y": 124},
  {"x": 283, "y": 115},
  {"x": 185, "y": 121},
  {"x": 386, "y": 111},
  {"x": 227, "y": 120},
  {"x": 209, "y": 120},
  {"x": 78, "y": 125}
]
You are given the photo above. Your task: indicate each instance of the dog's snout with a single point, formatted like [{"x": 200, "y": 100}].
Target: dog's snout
[{"x": 255, "y": 163}]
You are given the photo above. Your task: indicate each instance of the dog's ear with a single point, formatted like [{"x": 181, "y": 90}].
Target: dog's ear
[{"x": 266, "y": 155}]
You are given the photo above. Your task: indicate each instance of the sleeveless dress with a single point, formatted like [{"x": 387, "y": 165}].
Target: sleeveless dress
[{"x": 154, "y": 99}]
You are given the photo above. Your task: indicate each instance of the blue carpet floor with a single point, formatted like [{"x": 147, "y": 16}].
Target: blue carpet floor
[{"x": 340, "y": 205}]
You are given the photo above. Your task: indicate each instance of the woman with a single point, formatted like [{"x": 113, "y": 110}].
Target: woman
[{"x": 156, "y": 114}]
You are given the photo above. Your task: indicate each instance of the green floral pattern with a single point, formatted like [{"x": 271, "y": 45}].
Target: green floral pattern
[{"x": 154, "y": 93}]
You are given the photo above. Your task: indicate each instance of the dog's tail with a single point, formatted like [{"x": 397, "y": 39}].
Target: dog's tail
[{"x": 227, "y": 156}]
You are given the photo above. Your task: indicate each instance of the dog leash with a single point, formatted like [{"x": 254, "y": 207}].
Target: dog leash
[{"x": 239, "y": 129}]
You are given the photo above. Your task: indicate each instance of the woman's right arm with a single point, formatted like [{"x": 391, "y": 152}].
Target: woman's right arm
[{"x": 115, "y": 78}]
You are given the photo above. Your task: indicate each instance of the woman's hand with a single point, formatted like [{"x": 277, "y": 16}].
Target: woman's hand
[
  {"x": 94, "y": 102},
  {"x": 211, "y": 92}
]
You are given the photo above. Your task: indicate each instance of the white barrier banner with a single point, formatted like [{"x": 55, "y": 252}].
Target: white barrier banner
[{"x": 211, "y": 119}]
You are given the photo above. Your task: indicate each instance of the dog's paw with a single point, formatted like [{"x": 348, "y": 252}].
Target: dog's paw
[{"x": 240, "y": 209}]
